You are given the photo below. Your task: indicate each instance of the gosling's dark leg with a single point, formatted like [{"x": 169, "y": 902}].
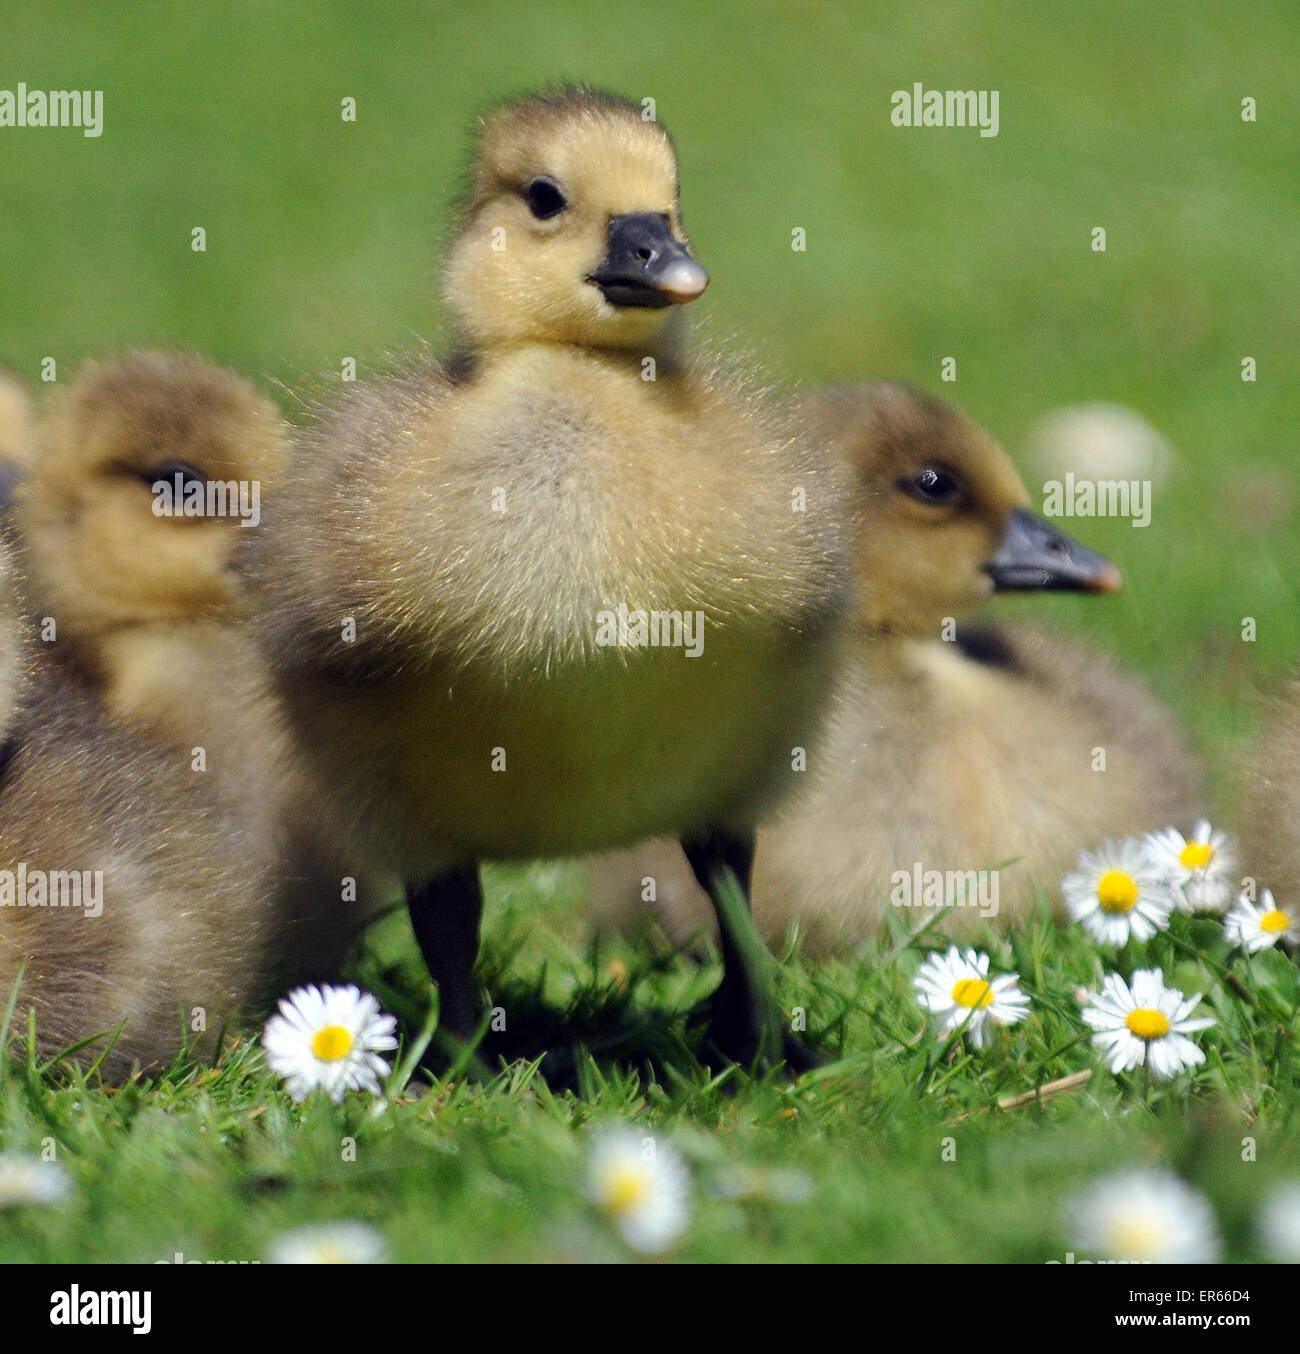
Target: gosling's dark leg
[
  {"x": 445, "y": 914},
  {"x": 745, "y": 1024}
]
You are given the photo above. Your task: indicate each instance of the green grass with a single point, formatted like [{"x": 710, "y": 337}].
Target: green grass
[
  {"x": 323, "y": 242},
  {"x": 216, "y": 1163}
]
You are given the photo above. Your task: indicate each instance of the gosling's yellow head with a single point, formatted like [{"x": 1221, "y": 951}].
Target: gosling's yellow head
[
  {"x": 571, "y": 231},
  {"x": 101, "y": 557},
  {"x": 941, "y": 514}
]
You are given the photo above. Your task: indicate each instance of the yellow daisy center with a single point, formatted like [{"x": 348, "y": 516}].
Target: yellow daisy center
[
  {"x": 1274, "y": 921},
  {"x": 1196, "y": 855},
  {"x": 626, "y": 1188},
  {"x": 972, "y": 992},
  {"x": 331, "y": 1043},
  {"x": 1147, "y": 1023},
  {"x": 1117, "y": 891},
  {"x": 1130, "y": 1237}
]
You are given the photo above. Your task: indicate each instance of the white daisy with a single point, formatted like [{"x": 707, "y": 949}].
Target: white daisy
[
  {"x": 1200, "y": 867},
  {"x": 1256, "y": 926},
  {"x": 763, "y": 1184},
  {"x": 29, "y": 1180},
  {"x": 1144, "y": 1216},
  {"x": 329, "y": 1243},
  {"x": 1147, "y": 1023},
  {"x": 642, "y": 1185},
  {"x": 1118, "y": 891},
  {"x": 956, "y": 987},
  {"x": 1279, "y": 1224},
  {"x": 329, "y": 1037}
]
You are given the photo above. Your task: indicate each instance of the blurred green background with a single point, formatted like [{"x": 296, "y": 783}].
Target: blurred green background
[{"x": 323, "y": 237}]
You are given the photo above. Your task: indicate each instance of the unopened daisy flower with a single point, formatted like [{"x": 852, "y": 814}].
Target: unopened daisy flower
[
  {"x": 1147, "y": 1023},
  {"x": 1279, "y": 1224},
  {"x": 329, "y": 1037},
  {"x": 1256, "y": 926},
  {"x": 642, "y": 1185},
  {"x": 29, "y": 1180},
  {"x": 1119, "y": 891},
  {"x": 1199, "y": 867},
  {"x": 330, "y": 1243},
  {"x": 1143, "y": 1216},
  {"x": 956, "y": 987}
]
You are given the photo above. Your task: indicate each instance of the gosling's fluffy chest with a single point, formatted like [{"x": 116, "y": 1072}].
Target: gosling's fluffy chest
[{"x": 518, "y": 525}]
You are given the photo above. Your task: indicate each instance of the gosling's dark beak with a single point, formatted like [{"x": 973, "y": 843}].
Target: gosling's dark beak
[
  {"x": 1035, "y": 555},
  {"x": 646, "y": 264}
]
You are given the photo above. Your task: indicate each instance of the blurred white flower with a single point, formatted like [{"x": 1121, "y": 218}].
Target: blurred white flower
[
  {"x": 1119, "y": 891},
  {"x": 329, "y": 1037},
  {"x": 1200, "y": 867},
  {"x": 1147, "y": 1023},
  {"x": 1143, "y": 1216},
  {"x": 1099, "y": 441},
  {"x": 330, "y": 1243},
  {"x": 27, "y": 1179},
  {"x": 956, "y": 987},
  {"x": 642, "y": 1185},
  {"x": 762, "y": 1184},
  {"x": 1279, "y": 1223},
  {"x": 1256, "y": 926}
]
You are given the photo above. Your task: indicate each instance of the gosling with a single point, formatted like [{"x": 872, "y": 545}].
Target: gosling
[
  {"x": 955, "y": 749},
  {"x": 571, "y": 588},
  {"x": 149, "y": 471},
  {"x": 1270, "y": 839},
  {"x": 133, "y": 913}
]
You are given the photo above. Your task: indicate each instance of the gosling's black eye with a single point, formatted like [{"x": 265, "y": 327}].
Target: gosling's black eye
[
  {"x": 167, "y": 474},
  {"x": 934, "y": 484},
  {"x": 544, "y": 198}
]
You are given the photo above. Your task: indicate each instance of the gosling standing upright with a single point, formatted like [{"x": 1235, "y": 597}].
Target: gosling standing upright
[{"x": 571, "y": 588}]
